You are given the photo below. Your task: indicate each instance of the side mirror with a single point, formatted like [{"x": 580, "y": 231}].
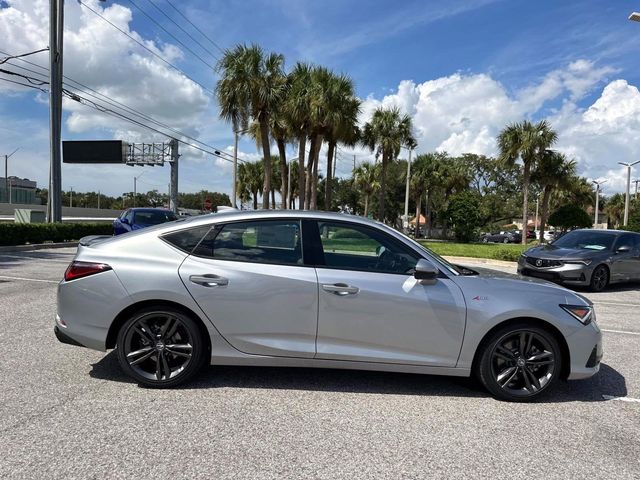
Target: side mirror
[
  {"x": 124, "y": 220},
  {"x": 425, "y": 271},
  {"x": 623, "y": 249}
]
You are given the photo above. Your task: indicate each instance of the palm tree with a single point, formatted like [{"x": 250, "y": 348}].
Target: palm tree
[
  {"x": 251, "y": 86},
  {"x": 386, "y": 133},
  {"x": 365, "y": 177},
  {"x": 296, "y": 109},
  {"x": 250, "y": 180},
  {"x": 527, "y": 141},
  {"x": 615, "y": 208},
  {"x": 553, "y": 171}
]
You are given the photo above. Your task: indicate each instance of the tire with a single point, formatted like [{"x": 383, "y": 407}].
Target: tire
[
  {"x": 506, "y": 240},
  {"x": 599, "y": 278},
  {"x": 485, "y": 240},
  {"x": 160, "y": 347},
  {"x": 509, "y": 375}
]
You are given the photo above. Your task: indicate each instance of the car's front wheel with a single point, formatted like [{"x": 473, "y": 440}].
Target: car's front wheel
[
  {"x": 519, "y": 362},
  {"x": 599, "y": 278},
  {"x": 160, "y": 347}
]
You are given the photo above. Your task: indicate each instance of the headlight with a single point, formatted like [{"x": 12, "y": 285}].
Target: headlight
[
  {"x": 582, "y": 313},
  {"x": 578, "y": 262}
]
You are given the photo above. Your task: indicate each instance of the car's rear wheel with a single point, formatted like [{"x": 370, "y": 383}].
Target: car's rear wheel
[
  {"x": 506, "y": 240},
  {"x": 160, "y": 347},
  {"x": 599, "y": 278},
  {"x": 519, "y": 363},
  {"x": 485, "y": 240}
]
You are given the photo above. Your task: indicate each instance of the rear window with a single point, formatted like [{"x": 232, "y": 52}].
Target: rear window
[
  {"x": 186, "y": 240},
  {"x": 153, "y": 217}
]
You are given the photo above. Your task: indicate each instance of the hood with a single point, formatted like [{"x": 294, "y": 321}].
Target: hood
[{"x": 555, "y": 253}]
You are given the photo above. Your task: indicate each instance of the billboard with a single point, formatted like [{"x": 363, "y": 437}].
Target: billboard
[{"x": 94, "y": 151}]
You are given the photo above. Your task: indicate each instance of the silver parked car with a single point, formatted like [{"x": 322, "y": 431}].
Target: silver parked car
[
  {"x": 312, "y": 289},
  {"x": 593, "y": 258}
]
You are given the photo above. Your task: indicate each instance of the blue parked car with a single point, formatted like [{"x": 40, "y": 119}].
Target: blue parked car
[{"x": 137, "y": 218}]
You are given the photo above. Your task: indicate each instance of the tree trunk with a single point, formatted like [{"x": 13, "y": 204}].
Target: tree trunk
[
  {"x": 284, "y": 172},
  {"x": 525, "y": 200},
  {"x": 273, "y": 199},
  {"x": 255, "y": 200},
  {"x": 546, "y": 197},
  {"x": 314, "y": 178},
  {"x": 266, "y": 153},
  {"x": 383, "y": 187},
  {"x": 302, "y": 150},
  {"x": 309, "y": 174},
  {"x": 366, "y": 204},
  {"x": 418, "y": 208},
  {"x": 328, "y": 183},
  {"x": 427, "y": 213}
]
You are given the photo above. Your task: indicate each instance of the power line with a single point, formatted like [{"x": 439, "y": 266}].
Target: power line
[
  {"x": 31, "y": 80},
  {"x": 216, "y": 152},
  {"x": 11, "y": 57},
  {"x": 211, "y": 92},
  {"x": 172, "y": 35},
  {"x": 196, "y": 27},
  {"x": 43, "y": 90},
  {"x": 180, "y": 27}
]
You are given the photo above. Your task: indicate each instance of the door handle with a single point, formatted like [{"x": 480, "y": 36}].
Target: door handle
[
  {"x": 209, "y": 280},
  {"x": 341, "y": 289}
]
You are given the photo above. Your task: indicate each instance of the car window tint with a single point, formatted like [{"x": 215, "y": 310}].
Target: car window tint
[
  {"x": 355, "y": 247},
  {"x": 186, "y": 240},
  {"x": 266, "y": 241},
  {"x": 626, "y": 239},
  {"x": 153, "y": 217},
  {"x": 129, "y": 216}
]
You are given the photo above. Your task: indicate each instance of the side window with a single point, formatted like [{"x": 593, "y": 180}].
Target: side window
[
  {"x": 129, "y": 216},
  {"x": 263, "y": 241},
  {"x": 186, "y": 240},
  {"x": 355, "y": 247},
  {"x": 626, "y": 239}
]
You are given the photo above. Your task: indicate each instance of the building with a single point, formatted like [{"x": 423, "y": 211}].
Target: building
[{"x": 20, "y": 190}]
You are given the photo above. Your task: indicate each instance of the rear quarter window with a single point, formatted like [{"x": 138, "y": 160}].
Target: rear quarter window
[{"x": 187, "y": 239}]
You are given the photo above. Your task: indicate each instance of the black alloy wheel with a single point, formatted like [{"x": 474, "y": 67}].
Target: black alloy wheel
[
  {"x": 599, "y": 278},
  {"x": 519, "y": 364},
  {"x": 160, "y": 348}
]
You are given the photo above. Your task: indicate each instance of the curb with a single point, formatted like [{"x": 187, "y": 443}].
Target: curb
[
  {"x": 481, "y": 261},
  {"x": 37, "y": 246}
]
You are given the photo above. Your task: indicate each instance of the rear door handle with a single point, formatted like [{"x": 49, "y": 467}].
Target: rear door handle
[
  {"x": 209, "y": 280},
  {"x": 340, "y": 288}
]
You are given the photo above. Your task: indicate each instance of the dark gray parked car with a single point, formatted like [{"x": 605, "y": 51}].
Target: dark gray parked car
[{"x": 593, "y": 258}]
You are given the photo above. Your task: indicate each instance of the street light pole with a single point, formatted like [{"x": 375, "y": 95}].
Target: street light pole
[
  {"x": 135, "y": 188},
  {"x": 6, "y": 174},
  {"x": 626, "y": 198},
  {"x": 636, "y": 181},
  {"x": 56, "y": 30},
  {"x": 597, "y": 183}
]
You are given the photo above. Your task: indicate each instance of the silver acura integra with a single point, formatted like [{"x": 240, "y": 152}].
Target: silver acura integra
[{"x": 312, "y": 289}]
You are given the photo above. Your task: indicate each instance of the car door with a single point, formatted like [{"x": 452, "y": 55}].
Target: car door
[
  {"x": 371, "y": 308},
  {"x": 625, "y": 265},
  {"x": 249, "y": 279}
]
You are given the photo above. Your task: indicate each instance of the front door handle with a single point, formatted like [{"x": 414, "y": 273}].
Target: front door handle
[
  {"x": 341, "y": 289},
  {"x": 209, "y": 280}
]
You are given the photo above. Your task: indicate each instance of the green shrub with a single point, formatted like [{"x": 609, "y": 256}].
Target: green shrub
[
  {"x": 570, "y": 216},
  {"x": 23, "y": 233},
  {"x": 464, "y": 215},
  {"x": 506, "y": 254}
]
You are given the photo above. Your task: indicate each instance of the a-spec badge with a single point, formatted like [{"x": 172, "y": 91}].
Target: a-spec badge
[{"x": 480, "y": 297}]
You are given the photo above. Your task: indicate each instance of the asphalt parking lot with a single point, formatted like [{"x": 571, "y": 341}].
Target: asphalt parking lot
[{"x": 69, "y": 412}]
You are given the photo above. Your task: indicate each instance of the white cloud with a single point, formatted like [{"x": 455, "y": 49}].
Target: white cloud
[{"x": 464, "y": 113}]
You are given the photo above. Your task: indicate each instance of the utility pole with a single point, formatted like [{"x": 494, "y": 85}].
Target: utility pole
[
  {"x": 636, "y": 181},
  {"x": 597, "y": 183},
  {"x": 535, "y": 223},
  {"x": 56, "y": 30},
  {"x": 98, "y": 199},
  {"x": 405, "y": 223},
  {"x": 235, "y": 168},
  {"x": 173, "y": 196},
  {"x": 135, "y": 188},
  {"x": 70, "y": 197},
  {"x": 354, "y": 161},
  {"x": 626, "y": 198},
  {"x": 6, "y": 175}
]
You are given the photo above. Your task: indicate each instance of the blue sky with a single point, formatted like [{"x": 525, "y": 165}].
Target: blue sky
[{"x": 461, "y": 68}]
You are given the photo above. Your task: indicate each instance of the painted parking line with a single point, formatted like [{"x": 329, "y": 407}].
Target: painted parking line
[
  {"x": 618, "y": 304},
  {"x": 621, "y": 399},
  {"x": 24, "y": 279},
  {"x": 625, "y": 332}
]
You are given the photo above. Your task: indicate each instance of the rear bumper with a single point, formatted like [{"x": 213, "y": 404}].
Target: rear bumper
[{"x": 64, "y": 338}]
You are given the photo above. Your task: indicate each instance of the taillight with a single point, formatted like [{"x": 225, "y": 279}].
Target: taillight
[{"x": 84, "y": 269}]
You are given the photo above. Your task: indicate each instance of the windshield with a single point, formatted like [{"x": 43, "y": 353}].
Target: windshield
[
  {"x": 154, "y": 217},
  {"x": 586, "y": 240}
]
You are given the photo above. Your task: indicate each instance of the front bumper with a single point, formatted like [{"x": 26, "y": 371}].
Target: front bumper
[
  {"x": 586, "y": 351},
  {"x": 568, "y": 273}
]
